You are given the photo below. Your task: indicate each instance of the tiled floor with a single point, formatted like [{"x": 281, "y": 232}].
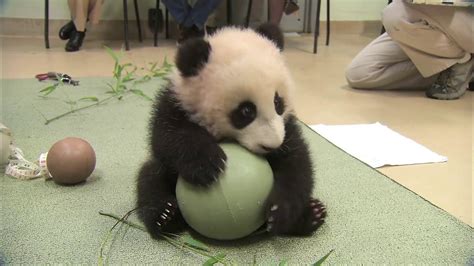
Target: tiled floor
[{"x": 322, "y": 97}]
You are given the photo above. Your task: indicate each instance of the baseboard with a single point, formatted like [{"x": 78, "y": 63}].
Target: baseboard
[{"x": 113, "y": 30}]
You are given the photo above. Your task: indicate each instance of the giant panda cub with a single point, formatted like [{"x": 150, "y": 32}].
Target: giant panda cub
[{"x": 235, "y": 86}]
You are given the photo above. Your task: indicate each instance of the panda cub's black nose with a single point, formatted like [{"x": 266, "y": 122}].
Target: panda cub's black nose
[{"x": 267, "y": 149}]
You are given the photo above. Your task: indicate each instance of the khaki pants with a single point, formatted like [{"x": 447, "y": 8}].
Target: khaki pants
[
  {"x": 83, "y": 10},
  {"x": 421, "y": 41}
]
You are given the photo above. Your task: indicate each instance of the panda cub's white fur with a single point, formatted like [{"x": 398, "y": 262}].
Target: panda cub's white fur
[{"x": 243, "y": 65}]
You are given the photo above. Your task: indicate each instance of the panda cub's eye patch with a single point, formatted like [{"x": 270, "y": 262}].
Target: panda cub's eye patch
[
  {"x": 243, "y": 115},
  {"x": 279, "y": 104}
]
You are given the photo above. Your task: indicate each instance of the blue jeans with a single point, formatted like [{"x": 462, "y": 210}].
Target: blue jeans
[{"x": 188, "y": 16}]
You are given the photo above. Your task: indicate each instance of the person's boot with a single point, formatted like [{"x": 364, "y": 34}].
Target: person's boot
[
  {"x": 66, "y": 30},
  {"x": 75, "y": 41},
  {"x": 453, "y": 82}
]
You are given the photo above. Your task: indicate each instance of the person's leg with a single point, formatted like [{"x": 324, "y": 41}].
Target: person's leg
[
  {"x": 384, "y": 65},
  {"x": 434, "y": 37},
  {"x": 179, "y": 9},
  {"x": 79, "y": 11},
  {"x": 200, "y": 12},
  {"x": 438, "y": 40},
  {"x": 94, "y": 9},
  {"x": 275, "y": 8}
]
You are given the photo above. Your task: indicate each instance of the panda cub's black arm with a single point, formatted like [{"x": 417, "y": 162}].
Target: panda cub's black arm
[
  {"x": 183, "y": 145},
  {"x": 293, "y": 177}
]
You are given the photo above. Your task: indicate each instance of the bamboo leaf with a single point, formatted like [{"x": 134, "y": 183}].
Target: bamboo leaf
[
  {"x": 320, "y": 262},
  {"x": 188, "y": 240},
  {"x": 112, "y": 53},
  {"x": 49, "y": 89},
  {"x": 112, "y": 89},
  {"x": 127, "y": 79},
  {"x": 71, "y": 102},
  {"x": 166, "y": 64},
  {"x": 89, "y": 98},
  {"x": 119, "y": 71},
  {"x": 140, "y": 93},
  {"x": 159, "y": 75},
  {"x": 122, "y": 88},
  {"x": 144, "y": 78},
  {"x": 129, "y": 76},
  {"x": 214, "y": 259},
  {"x": 153, "y": 66}
]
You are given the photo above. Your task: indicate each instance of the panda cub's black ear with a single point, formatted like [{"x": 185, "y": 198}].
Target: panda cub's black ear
[
  {"x": 192, "y": 56},
  {"x": 273, "y": 33}
]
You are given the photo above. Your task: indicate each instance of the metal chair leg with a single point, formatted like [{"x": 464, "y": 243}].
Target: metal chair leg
[
  {"x": 46, "y": 23},
  {"x": 328, "y": 22},
  {"x": 249, "y": 12},
  {"x": 316, "y": 28},
  {"x": 229, "y": 12},
  {"x": 125, "y": 24},
  {"x": 137, "y": 16},
  {"x": 167, "y": 30},
  {"x": 155, "y": 33}
]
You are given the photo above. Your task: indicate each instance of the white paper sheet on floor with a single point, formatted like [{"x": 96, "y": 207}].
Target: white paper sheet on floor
[{"x": 377, "y": 145}]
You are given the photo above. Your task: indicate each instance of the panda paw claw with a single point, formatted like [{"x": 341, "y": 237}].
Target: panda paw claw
[
  {"x": 166, "y": 215},
  {"x": 271, "y": 217},
  {"x": 281, "y": 219},
  {"x": 319, "y": 213},
  {"x": 313, "y": 217}
]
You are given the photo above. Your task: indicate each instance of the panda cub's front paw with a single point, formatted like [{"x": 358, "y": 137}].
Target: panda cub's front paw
[{"x": 205, "y": 169}]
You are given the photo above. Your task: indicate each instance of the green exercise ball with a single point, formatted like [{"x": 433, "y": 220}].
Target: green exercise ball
[{"x": 232, "y": 207}]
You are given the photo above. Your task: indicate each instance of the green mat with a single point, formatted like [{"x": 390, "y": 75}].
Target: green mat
[{"x": 371, "y": 218}]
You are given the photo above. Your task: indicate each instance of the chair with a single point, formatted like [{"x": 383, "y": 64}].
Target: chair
[
  {"x": 317, "y": 22},
  {"x": 155, "y": 32},
  {"x": 125, "y": 24}
]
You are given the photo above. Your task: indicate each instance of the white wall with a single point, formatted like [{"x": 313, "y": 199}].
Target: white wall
[
  {"x": 353, "y": 10},
  {"x": 340, "y": 9},
  {"x": 58, "y": 9}
]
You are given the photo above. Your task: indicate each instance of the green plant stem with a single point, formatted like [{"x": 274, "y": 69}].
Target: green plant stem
[
  {"x": 134, "y": 225},
  {"x": 78, "y": 109},
  {"x": 170, "y": 240}
]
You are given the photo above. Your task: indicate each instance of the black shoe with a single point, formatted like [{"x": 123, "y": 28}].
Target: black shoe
[
  {"x": 75, "y": 42},
  {"x": 186, "y": 33},
  {"x": 66, "y": 30}
]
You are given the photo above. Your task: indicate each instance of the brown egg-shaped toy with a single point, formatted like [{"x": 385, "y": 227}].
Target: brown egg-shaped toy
[{"x": 70, "y": 161}]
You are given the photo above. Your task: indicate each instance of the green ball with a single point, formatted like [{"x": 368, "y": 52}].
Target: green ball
[{"x": 232, "y": 207}]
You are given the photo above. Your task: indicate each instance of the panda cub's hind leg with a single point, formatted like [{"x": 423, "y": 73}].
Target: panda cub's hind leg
[
  {"x": 312, "y": 218},
  {"x": 156, "y": 200}
]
